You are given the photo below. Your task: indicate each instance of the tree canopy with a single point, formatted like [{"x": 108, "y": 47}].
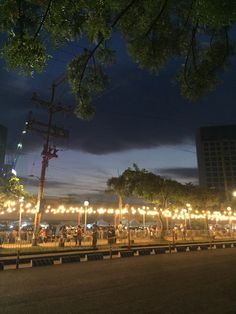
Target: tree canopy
[
  {"x": 195, "y": 32},
  {"x": 11, "y": 188},
  {"x": 166, "y": 193}
]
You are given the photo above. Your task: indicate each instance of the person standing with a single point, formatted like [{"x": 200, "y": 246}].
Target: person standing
[
  {"x": 111, "y": 236},
  {"x": 174, "y": 234},
  {"x": 183, "y": 231},
  {"x": 79, "y": 235},
  {"x": 42, "y": 235},
  {"x": 63, "y": 236},
  {"x": 94, "y": 235},
  {"x": 120, "y": 230}
]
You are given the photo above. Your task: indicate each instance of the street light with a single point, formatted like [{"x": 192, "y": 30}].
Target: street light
[
  {"x": 234, "y": 195},
  {"x": 229, "y": 209},
  {"x": 78, "y": 219},
  {"x": 189, "y": 208},
  {"x": 128, "y": 210},
  {"x": 86, "y": 204},
  {"x": 21, "y": 200},
  {"x": 185, "y": 218},
  {"x": 144, "y": 212}
]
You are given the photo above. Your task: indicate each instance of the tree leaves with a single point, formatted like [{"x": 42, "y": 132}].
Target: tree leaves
[
  {"x": 12, "y": 189},
  {"x": 198, "y": 32},
  {"x": 86, "y": 79},
  {"x": 166, "y": 193},
  {"x": 25, "y": 55},
  {"x": 203, "y": 65}
]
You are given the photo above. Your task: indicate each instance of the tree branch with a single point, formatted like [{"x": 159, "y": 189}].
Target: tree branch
[
  {"x": 92, "y": 52},
  {"x": 190, "y": 49},
  {"x": 123, "y": 12},
  {"x": 189, "y": 13},
  {"x": 225, "y": 55},
  {"x": 20, "y": 18},
  {"x": 43, "y": 19},
  {"x": 156, "y": 18},
  {"x": 90, "y": 55}
]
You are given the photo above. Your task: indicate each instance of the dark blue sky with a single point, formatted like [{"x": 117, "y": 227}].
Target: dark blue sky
[{"x": 141, "y": 118}]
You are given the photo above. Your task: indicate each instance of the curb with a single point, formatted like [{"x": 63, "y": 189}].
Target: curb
[{"x": 49, "y": 261}]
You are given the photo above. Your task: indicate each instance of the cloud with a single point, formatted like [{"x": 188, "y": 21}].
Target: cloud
[
  {"x": 34, "y": 182},
  {"x": 87, "y": 185},
  {"x": 179, "y": 173},
  {"x": 137, "y": 111},
  {"x": 148, "y": 112}
]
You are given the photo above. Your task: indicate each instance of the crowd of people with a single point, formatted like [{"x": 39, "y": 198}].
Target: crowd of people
[{"x": 76, "y": 235}]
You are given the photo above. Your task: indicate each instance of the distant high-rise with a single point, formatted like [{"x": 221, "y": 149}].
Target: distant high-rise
[
  {"x": 216, "y": 154},
  {"x": 3, "y": 143}
]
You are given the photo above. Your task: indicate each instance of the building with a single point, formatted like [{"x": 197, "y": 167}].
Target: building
[
  {"x": 216, "y": 154},
  {"x": 3, "y": 143}
]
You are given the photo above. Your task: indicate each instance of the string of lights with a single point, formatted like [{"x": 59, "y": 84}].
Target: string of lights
[{"x": 11, "y": 207}]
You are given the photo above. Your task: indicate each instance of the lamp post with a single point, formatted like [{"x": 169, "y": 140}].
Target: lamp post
[
  {"x": 189, "y": 208},
  {"x": 78, "y": 219},
  {"x": 230, "y": 220},
  {"x": 234, "y": 195},
  {"x": 144, "y": 212},
  {"x": 21, "y": 200},
  {"x": 185, "y": 218},
  {"x": 206, "y": 222},
  {"x": 127, "y": 207},
  {"x": 86, "y": 204}
]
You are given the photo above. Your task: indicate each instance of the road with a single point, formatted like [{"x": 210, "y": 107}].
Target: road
[{"x": 193, "y": 282}]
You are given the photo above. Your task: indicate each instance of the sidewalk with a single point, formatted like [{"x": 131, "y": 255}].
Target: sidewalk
[{"x": 101, "y": 243}]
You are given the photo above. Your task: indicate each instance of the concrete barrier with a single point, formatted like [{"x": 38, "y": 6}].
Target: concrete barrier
[
  {"x": 181, "y": 249},
  {"x": 1, "y": 266},
  {"x": 42, "y": 262},
  {"x": 126, "y": 253},
  {"x": 70, "y": 259},
  {"x": 204, "y": 246},
  {"x": 161, "y": 250},
  {"x": 194, "y": 247},
  {"x": 144, "y": 252},
  {"x": 95, "y": 257},
  {"x": 212, "y": 247}
]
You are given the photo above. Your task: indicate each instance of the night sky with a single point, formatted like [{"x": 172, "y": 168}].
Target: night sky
[{"x": 141, "y": 118}]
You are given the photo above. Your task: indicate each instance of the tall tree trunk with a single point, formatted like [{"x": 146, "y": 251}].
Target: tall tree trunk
[
  {"x": 120, "y": 204},
  {"x": 161, "y": 234}
]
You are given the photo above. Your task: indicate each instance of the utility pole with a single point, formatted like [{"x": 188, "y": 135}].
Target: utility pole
[{"x": 48, "y": 130}]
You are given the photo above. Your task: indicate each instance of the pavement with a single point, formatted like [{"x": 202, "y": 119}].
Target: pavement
[
  {"x": 104, "y": 243},
  {"x": 194, "y": 282}
]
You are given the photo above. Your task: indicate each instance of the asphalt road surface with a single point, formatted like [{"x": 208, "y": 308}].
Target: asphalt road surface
[{"x": 194, "y": 282}]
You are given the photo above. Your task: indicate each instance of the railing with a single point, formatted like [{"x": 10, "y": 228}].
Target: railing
[{"x": 9, "y": 240}]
